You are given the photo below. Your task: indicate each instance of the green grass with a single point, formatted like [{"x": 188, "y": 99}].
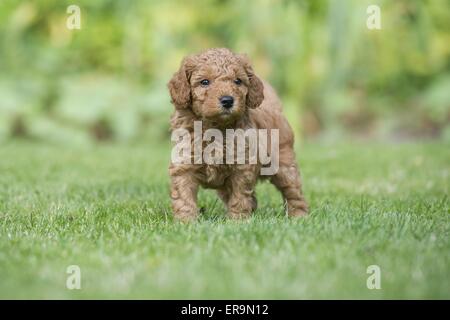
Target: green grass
[{"x": 106, "y": 209}]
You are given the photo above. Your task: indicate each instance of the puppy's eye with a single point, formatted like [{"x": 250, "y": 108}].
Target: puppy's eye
[
  {"x": 204, "y": 82},
  {"x": 238, "y": 81}
]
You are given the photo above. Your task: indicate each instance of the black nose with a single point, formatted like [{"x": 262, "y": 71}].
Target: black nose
[{"x": 226, "y": 101}]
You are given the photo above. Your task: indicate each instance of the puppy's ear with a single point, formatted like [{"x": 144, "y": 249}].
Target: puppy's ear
[
  {"x": 179, "y": 86},
  {"x": 255, "y": 95}
]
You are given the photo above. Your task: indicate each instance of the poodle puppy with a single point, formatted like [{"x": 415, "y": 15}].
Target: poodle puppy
[{"x": 220, "y": 89}]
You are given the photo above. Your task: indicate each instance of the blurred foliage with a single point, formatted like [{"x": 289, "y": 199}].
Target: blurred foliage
[{"x": 107, "y": 81}]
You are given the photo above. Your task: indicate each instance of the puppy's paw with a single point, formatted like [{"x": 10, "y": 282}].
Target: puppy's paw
[
  {"x": 298, "y": 212},
  {"x": 185, "y": 218},
  {"x": 186, "y": 215}
]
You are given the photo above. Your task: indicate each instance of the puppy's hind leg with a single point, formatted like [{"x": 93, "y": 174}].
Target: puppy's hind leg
[
  {"x": 242, "y": 185},
  {"x": 224, "y": 195},
  {"x": 254, "y": 202},
  {"x": 287, "y": 180}
]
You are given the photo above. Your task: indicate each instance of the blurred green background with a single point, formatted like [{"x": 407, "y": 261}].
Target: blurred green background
[{"x": 107, "y": 81}]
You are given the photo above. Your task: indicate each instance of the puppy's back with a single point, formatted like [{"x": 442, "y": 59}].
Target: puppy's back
[{"x": 269, "y": 116}]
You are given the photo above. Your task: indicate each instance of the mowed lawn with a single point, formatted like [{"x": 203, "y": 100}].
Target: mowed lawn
[{"x": 107, "y": 210}]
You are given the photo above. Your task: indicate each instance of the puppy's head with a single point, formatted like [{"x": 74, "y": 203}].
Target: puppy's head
[{"x": 216, "y": 85}]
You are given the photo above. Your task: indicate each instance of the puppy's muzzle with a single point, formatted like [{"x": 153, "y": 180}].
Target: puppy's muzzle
[{"x": 226, "y": 101}]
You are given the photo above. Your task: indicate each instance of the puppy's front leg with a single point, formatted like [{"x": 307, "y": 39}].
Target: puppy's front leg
[
  {"x": 183, "y": 191},
  {"x": 242, "y": 184}
]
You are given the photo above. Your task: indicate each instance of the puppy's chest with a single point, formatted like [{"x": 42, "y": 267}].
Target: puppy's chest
[{"x": 216, "y": 168}]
